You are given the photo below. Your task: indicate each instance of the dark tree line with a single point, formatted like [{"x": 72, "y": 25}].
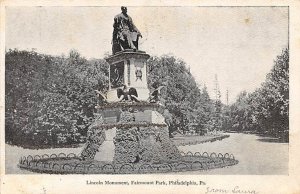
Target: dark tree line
[
  {"x": 190, "y": 106},
  {"x": 266, "y": 110},
  {"x": 50, "y": 100}
]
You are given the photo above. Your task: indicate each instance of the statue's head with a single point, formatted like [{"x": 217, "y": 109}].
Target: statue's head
[{"x": 124, "y": 9}]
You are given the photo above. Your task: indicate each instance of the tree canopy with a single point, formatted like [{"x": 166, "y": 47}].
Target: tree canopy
[
  {"x": 50, "y": 100},
  {"x": 266, "y": 110}
]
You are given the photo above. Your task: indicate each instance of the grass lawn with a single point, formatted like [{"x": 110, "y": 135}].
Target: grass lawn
[{"x": 192, "y": 140}]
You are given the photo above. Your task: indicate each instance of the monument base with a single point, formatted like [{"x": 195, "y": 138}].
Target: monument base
[{"x": 144, "y": 144}]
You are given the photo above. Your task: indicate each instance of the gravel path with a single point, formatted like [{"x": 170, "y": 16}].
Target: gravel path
[{"x": 256, "y": 155}]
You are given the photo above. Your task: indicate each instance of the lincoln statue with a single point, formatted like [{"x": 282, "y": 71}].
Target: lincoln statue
[{"x": 125, "y": 34}]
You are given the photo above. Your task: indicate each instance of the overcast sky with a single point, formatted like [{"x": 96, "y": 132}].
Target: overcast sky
[{"x": 237, "y": 43}]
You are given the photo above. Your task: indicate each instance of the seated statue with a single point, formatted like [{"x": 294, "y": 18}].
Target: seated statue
[
  {"x": 125, "y": 34},
  {"x": 125, "y": 95}
]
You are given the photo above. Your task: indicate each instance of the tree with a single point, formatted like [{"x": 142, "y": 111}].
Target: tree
[
  {"x": 266, "y": 110},
  {"x": 188, "y": 106},
  {"x": 50, "y": 100},
  {"x": 49, "y": 97}
]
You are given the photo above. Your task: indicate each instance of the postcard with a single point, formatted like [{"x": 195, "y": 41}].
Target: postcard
[{"x": 136, "y": 97}]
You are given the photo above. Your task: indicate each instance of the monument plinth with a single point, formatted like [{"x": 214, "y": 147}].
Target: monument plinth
[
  {"x": 133, "y": 129},
  {"x": 128, "y": 68}
]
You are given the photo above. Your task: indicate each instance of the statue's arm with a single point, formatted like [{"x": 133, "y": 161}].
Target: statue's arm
[
  {"x": 115, "y": 25},
  {"x": 134, "y": 28}
]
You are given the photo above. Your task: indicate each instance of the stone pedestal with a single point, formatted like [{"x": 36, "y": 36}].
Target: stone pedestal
[
  {"x": 128, "y": 68},
  {"x": 141, "y": 111},
  {"x": 106, "y": 150},
  {"x": 131, "y": 132}
]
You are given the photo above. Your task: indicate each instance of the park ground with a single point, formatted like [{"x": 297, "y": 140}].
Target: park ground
[
  {"x": 193, "y": 140},
  {"x": 256, "y": 155}
]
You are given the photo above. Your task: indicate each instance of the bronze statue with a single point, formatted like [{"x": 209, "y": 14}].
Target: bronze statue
[
  {"x": 125, "y": 95},
  {"x": 155, "y": 95},
  {"x": 125, "y": 34}
]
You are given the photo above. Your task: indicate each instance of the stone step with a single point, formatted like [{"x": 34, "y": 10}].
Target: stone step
[{"x": 107, "y": 149}]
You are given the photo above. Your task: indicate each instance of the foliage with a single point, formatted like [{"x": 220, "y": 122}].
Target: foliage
[
  {"x": 188, "y": 105},
  {"x": 49, "y": 99},
  {"x": 266, "y": 110}
]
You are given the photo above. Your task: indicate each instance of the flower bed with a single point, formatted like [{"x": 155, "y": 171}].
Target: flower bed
[
  {"x": 144, "y": 144},
  {"x": 71, "y": 164}
]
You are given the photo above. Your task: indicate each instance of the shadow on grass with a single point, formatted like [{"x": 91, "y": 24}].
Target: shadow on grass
[{"x": 271, "y": 140}]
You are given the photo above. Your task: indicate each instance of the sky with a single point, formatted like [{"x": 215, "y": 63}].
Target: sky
[{"x": 239, "y": 44}]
